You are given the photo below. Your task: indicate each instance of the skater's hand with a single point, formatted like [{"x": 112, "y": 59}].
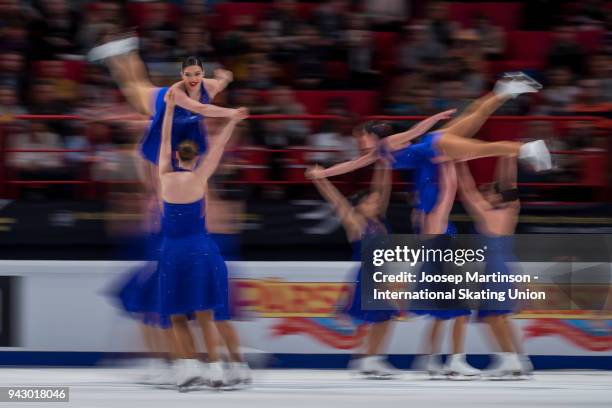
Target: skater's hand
[
  {"x": 169, "y": 98},
  {"x": 224, "y": 75},
  {"x": 446, "y": 114},
  {"x": 240, "y": 114},
  {"x": 315, "y": 172}
]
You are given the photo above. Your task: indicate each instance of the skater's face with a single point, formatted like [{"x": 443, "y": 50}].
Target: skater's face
[
  {"x": 366, "y": 141},
  {"x": 370, "y": 205},
  {"x": 192, "y": 77}
]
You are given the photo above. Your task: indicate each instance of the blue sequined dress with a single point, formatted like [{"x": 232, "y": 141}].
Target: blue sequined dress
[
  {"x": 355, "y": 308},
  {"x": 185, "y": 125},
  {"x": 192, "y": 275}
]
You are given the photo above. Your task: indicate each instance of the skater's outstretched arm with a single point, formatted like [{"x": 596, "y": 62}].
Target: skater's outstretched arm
[
  {"x": 401, "y": 140},
  {"x": 344, "y": 209},
  {"x": 213, "y": 155},
  {"x": 184, "y": 101},
  {"x": 165, "y": 151},
  {"x": 391, "y": 143},
  {"x": 221, "y": 80}
]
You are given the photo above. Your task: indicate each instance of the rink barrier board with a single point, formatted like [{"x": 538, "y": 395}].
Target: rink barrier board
[
  {"x": 286, "y": 361},
  {"x": 63, "y": 316}
]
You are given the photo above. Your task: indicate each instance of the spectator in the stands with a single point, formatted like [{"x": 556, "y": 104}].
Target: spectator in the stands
[
  {"x": 361, "y": 53},
  {"x": 417, "y": 47},
  {"x": 283, "y": 20},
  {"x": 157, "y": 28},
  {"x": 285, "y": 102},
  {"x": 589, "y": 13},
  {"x": 452, "y": 95},
  {"x": 565, "y": 51},
  {"x": 600, "y": 68},
  {"x": 334, "y": 135},
  {"x": 310, "y": 71},
  {"x": 422, "y": 100},
  {"x": 37, "y": 166},
  {"x": 590, "y": 99},
  {"x": 12, "y": 70},
  {"x": 193, "y": 40},
  {"x": 54, "y": 30},
  {"x": 492, "y": 38},
  {"x": 386, "y": 15},
  {"x": 330, "y": 19},
  {"x": 14, "y": 38},
  {"x": 261, "y": 73},
  {"x": 55, "y": 73},
  {"x": 44, "y": 99},
  {"x": 439, "y": 24},
  {"x": 10, "y": 104},
  {"x": 100, "y": 18},
  {"x": 559, "y": 93}
]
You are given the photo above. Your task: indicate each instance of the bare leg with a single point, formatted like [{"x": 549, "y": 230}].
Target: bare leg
[
  {"x": 500, "y": 331},
  {"x": 462, "y": 149},
  {"x": 515, "y": 337},
  {"x": 459, "y": 334},
  {"x": 433, "y": 344},
  {"x": 467, "y": 125},
  {"x": 377, "y": 337},
  {"x": 468, "y": 111},
  {"x": 182, "y": 338},
  {"x": 231, "y": 339},
  {"x": 207, "y": 325},
  {"x": 134, "y": 85}
]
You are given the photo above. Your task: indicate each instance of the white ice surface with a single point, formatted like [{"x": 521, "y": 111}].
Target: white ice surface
[{"x": 116, "y": 388}]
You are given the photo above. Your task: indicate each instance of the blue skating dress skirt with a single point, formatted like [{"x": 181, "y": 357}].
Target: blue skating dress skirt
[
  {"x": 185, "y": 125},
  {"x": 354, "y": 308},
  {"x": 135, "y": 291},
  {"x": 500, "y": 250},
  {"x": 446, "y": 309},
  {"x": 192, "y": 275}
]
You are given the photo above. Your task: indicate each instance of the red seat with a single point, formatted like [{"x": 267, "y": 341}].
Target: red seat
[
  {"x": 591, "y": 40},
  {"x": 530, "y": 47},
  {"x": 385, "y": 48},
  {"x": 227, "y": 13},
  {"x": 594, "y": 170},
  {"x": 505, "y": 15},
  {"x": 359, "y": 102}
]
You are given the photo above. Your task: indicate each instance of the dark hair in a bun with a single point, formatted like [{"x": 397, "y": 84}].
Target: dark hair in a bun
[
  {"x": 191, "y": 61},
  {"x": 188, "y": 150},
  {"x": 380, "y": 129}
]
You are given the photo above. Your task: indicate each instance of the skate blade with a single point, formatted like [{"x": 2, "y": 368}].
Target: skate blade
[
  {"x": 507, "y": 376},
  {"x": 193, "y": 384},
  {"x": 461, "y": 377},
  {"x": 374, "y": 375}
]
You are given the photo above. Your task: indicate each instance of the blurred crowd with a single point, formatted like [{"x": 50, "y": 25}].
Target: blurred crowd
[{"x": 415, "y": 56}]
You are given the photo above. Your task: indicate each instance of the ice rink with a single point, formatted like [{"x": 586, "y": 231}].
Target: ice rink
[{"x": 116, "y": 388}]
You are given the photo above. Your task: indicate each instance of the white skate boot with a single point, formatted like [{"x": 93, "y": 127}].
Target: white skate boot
[
  {"x": 515, "y": 84},
  {"x": 237, "y": 373},
  {"x": 188, "y": 372},
  {"x": 433, "y": 367},
  {"x": 215, "y": 374},
  {"x": 536, "y": 154},
  {"x": 376, "y": 367},
  {"x": 458, "y": 369},
  {"x": 112, "y": 49},
  {"x": 506, "y": 367}
]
